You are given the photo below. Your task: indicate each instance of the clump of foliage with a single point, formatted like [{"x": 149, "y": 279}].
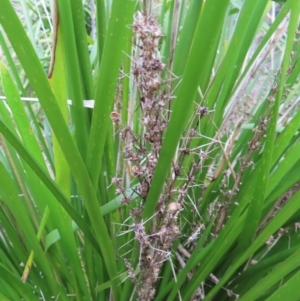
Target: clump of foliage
[{"x": 161, "y": 160}]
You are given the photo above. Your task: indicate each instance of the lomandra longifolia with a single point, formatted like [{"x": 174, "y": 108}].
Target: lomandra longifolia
[{"x": 141, "y": 152}]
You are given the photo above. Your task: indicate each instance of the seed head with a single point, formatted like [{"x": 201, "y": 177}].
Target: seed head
[{"x": 173, "y": 207}]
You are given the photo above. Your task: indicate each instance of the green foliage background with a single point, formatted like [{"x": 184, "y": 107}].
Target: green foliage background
[{"x": 60, "y": 217}]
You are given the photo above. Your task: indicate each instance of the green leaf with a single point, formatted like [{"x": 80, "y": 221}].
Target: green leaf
[
  {"x": 24, "y": 291},
  {"x": 275, "y": 276},
  {"x": 39, "y": 82},
  {"x": 289, "y": 288},
  {"x": 117, "y": 37}
]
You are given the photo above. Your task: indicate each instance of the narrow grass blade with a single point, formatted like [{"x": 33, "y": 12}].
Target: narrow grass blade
[
  {"x": 278, "y": 273},
  {"x": 41, "y": 86},
  {"x": 75, "y": 85},
  {"x": 116, "y": 39},
  {"x": 256, "y": 202},
  {"x": 290, "y": 288},
  {"x": 25, "y": 291}
]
